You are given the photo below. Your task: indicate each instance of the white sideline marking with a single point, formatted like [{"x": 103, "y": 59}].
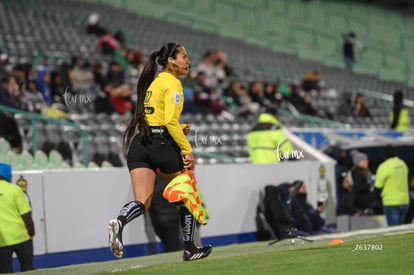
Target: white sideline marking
[
  {"x": 381, "y": 231},
  {"x": 127, "y": 268}
]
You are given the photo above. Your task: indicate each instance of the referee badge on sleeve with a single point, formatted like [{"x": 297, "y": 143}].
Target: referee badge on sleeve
[{"x": 177, "y": 97}]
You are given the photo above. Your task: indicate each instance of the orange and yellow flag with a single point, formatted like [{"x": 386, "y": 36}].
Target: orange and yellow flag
[{"x": 184, "y": 188}]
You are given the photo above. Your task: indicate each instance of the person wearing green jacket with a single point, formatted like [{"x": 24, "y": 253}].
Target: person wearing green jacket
[
  {"x": 392, "y": 183},
  {"x": 16, "y": 224},
  {"x": 399, "y": 115},
  {"x": 267, "y": 142}
]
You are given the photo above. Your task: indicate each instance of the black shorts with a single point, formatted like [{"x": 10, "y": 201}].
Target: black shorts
[{"x": 162, "y": 152}]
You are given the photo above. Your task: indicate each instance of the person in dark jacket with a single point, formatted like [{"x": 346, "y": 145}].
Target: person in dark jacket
[
  {"x": 363, "y": 185},
  {"x": 276, "y": 209},
  {"x": 346, "y": 197},
  {"x": 307, "y": 218},
  {"x": 348, "y": 49},
  {"x": 8, "y": 125}
]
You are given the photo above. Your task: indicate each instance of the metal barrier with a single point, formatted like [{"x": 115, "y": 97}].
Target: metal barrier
[{"x": 34, "y": 118}]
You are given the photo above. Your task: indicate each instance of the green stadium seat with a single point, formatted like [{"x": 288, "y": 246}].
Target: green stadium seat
[
  {"x": 26, "y": 160},
  {"x": 41, "y": 160}
]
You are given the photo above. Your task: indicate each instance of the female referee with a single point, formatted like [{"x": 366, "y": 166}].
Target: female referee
[{"x": 155, "y": 140}]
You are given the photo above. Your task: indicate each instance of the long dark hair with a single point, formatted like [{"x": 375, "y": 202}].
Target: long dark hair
[{"x": 138, "y": 121}]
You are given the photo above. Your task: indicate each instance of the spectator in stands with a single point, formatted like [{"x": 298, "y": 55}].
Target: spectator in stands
[
  {"x": 410, "y": 214},
  {"x": 56, "y": 87},
  {"x": 4, "y": 60},
  {"x": 35, "y": 100},
  {"x": 43, "y": 84},
  {"x": 16, "y": 224},
  {"x": 165, "y": 218},
  {"x": 65, "y": 70},
  {"x": 98, "y": 74},
  {"x": 359, "y": 108},
  {"x": 348, "y": 49},
  {"x": 311, "y": 81},
  {"x": 107, "y": 44},
  {"x": 206, "y": 97},
  {"x": 295, "y": 96},
  {"x": 120, "y": 37},
  {"x": 345, "y": 106},
  {"x": 136, "y": 59},
  {"x": 94, "y": 26},
  {"x": 305, "y": 106},
  {"x": 213, "y": 64},
  {"x": 20, "y": 75},
  {"x": 346, "y": 197},
  {"x": 231, "y": 97},
  {"x": 307, "y": 218},
  {"x": 266, "y": 140},
  {"x": 8, "y": 126},
  {"x": 247, "y": 106},
  {"x": 363, "y": 185},
  {"x": 16, "y": 94},
  {"x": 81, "y": 75},
  {"x": 392, "y": 183},
  {"x": 256, "y": 92},
  {"x": 399, "y": 115},
  {"x": 103, "y": 103},
  {"x": 271, "y": 94},
  {"x": 115, "y": 74}
]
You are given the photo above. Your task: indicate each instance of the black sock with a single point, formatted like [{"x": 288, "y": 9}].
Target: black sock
[
  {"x": 188, "y": 226},
  {"x": 130, "y": 211}
]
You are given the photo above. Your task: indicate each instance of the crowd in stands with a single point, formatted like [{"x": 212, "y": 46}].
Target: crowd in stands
[{"x": 212, "y": 87}]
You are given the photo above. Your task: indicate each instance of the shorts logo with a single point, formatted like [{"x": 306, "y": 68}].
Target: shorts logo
[{"x": 177, "y": 97}]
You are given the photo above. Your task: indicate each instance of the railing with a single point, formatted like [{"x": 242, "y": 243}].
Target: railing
[
  {"x": 384, "y": 97},
  {"x": 34, "y": 118},
  {"x": 314, "y": 121}
]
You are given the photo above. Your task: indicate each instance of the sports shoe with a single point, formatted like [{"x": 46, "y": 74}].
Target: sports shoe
[
  {"x": 115, "y": 239},
  {"x": 198, "y": 253}
]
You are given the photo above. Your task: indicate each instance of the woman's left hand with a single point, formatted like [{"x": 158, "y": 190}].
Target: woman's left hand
[{"x": 186, "y": 129}]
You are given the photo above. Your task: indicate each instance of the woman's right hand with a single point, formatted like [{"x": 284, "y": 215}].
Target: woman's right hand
[{"x": 189, "y": 162}]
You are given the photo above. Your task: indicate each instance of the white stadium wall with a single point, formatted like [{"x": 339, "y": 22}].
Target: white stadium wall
[{"x": 71, "y": 208}]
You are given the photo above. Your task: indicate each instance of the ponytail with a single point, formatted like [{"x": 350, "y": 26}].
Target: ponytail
[
  {"x": 147, "y": 76},
  {"x": 138, "y": 121}
]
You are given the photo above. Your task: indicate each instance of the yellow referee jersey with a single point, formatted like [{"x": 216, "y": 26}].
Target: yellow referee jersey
[{"x": 163, "y": 104}]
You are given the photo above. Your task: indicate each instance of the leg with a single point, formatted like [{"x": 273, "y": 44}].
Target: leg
[
  {"x": 169, "y": 233},
  {"x": 24, "y": 253},
  {"x": 403, "y": 213},
  {"x": 6, "y": 263},
  {"x": 188, "y": 225},
  {"x": 391, "y": 214},
  {"x": 142, "y": 186}
]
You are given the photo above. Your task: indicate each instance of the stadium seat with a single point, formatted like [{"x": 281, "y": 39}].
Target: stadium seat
[
  {"x": 55, "y": 160},
  {"x": 41, "y": 160}
]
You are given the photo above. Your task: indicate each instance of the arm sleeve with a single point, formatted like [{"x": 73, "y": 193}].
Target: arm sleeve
[
  {"x": 28, "y": 221},
  {"x": 25, "y": 212},
  {"x": 379, "y": 178},
  {"x": 173, "y": 105},
  {"x": 396, "y": 114}
]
